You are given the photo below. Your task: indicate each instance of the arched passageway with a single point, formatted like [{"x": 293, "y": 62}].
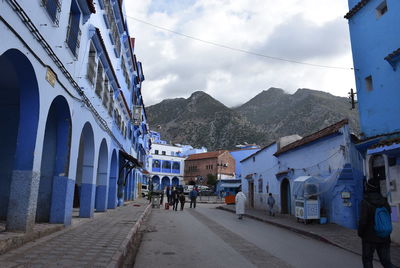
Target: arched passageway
[
  {"x": 175, "y": 181},
  {"x": 19, "y": 116},
  {"x": 54, "y": 186},
  {"x": 156, "y": 182},
  {"x": 84, "y": 187},
  {"x": 165, "y": 182},
  {"x": 102, "y": 177},
  {"x": 112, "y": 184}
]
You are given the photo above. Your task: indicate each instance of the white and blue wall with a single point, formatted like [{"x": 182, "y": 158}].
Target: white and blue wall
[{"x": 61, "y": 145}]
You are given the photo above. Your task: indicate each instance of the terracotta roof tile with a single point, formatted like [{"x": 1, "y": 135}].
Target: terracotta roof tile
[
  {"x": 91, "y": 6},
  {"x": 207, "y": 155},
  {"x": 313, "y": 137},
  {"x": 356, "y": 8},
  {"x": 386, "y": 143}
]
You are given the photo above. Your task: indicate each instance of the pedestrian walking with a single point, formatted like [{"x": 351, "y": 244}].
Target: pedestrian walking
[
  {"x": 168, "y": 194},
  {"x": 193, "y": 196},
  {"x": 182, "y": 200},
  {"x": 162, "y": 197},
  {"x": 175, "y": 199},
  {"x": 375, "y": 225},
  {"x": 271, "y": 203},
  {"x": 240, "y": 200}
]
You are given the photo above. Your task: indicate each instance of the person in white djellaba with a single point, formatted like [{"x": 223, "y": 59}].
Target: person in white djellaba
[{"x": 240, "y": 200}]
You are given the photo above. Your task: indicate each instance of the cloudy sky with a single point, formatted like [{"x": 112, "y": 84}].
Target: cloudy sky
[{"x": 310, "y": 31}]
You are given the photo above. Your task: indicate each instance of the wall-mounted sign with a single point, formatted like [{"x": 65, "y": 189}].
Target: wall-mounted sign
[{"x": 51, "y": 77}]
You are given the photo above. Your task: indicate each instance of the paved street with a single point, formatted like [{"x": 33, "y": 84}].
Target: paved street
[
  {"x": 207, "y": 237},
  {"x": 92, "y": 243}
]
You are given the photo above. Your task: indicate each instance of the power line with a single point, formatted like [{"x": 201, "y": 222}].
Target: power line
[{"x": 238, "y": 49}]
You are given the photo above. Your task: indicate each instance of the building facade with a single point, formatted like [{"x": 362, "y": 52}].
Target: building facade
[
  {"x": 375, "y": 44},
  {"x": 328, "y": 155},
  {"x": 71, "y": 102},
  {"x": 221, "y": 164},
  {"x": 167, "y": 166}
]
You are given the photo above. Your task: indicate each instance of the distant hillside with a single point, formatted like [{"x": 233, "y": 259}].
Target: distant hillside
[{"x": 201, "y": 120}]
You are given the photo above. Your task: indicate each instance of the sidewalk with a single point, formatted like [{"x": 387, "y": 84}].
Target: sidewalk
[
  {"x": 329, "y": 233},
  {"x": 104, "y": 241}
]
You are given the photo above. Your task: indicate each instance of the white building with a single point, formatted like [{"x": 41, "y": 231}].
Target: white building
[
  {"x": 166, "y": 165},
  {"x": 74, "y": 125}
]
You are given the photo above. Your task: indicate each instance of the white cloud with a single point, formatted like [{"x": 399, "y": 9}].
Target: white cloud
[{"x": 305, "y": 30}]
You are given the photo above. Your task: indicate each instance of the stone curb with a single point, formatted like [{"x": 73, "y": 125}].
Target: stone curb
[
  {"x": 296, "y": 230},
  {"x": 16, "y": 242},
  {"x": 120, "y": 256}
]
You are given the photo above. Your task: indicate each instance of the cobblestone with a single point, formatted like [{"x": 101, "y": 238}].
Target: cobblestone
[{"x": 91, "y": 243}]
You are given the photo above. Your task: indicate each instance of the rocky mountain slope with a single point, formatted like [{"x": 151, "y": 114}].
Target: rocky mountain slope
[{"x": 201, "y": 120}]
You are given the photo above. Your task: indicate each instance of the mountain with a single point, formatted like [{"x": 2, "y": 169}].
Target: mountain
[{"x": 201, "y": 120}]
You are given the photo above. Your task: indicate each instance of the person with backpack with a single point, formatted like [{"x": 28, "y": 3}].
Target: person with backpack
[{"x": 375, "y": 225}]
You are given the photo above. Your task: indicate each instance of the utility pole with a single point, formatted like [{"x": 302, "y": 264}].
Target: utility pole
[{"x": 352, "y": 99}]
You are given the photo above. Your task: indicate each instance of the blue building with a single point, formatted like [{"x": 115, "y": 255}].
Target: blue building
[
  {"x": 375, "y": 39},
  {"x": 75, "y": 138},
  {"x": 328, "y": 155}
]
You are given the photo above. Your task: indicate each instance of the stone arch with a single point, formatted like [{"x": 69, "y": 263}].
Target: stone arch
[
  {"x": 166, "y": 181},
  {"x": 84, "y": 187},
  {"x": 112, "y": 184},
  {"x": 175, "y": 181},
  {"x": 102, "y": 178},
  {"x": 19, "y": 117},
  {"x": 156, "y": 182},
  {"x": 52, "y": 199}
]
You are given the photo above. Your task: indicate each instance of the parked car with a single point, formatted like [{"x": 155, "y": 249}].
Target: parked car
[{"x": 145, "y": 190}]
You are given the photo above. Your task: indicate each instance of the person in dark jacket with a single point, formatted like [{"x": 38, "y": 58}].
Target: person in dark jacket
[
  {"x": 175, "y": 199},
  {"x": 370, "y": 241},
  {"x": 168, "y": 194},
  {"x": 182, "y": 199}
]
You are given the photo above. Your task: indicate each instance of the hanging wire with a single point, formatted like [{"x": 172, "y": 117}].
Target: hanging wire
[{"x": 239, "y": 49}]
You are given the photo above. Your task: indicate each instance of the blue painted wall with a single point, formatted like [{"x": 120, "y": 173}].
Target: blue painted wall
[
  {"x": 239, "y": 155},
  {"x": 372, "y": 40}
]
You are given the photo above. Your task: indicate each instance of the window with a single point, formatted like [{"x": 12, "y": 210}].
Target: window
[
  {"x": 176, "y": 166},
  {"x": 53, "y": 8},
  {"x": 166, "y": 164},
  {"x": 99, "y": 80},
  {"x": 260, "y": 185},
  {"x": 368, "y": 83},
  {"x": 73, "y": 32},
  {"x": 254, "y": 159},
  {"x": 156, "y": 164},
  {"x": 92, "y": 65},
  {"x": 156, "y": 152},
  {"x": 381, "y": 9},
  {"x": 164, "y": 153}
]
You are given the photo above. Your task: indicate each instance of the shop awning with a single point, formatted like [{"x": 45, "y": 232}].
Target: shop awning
[
  {"x": 231, "y": 185},
  {"x": 130, "y": 158}
]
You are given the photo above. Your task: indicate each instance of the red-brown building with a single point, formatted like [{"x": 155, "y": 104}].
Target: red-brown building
[{"x": 219, "y": 163}]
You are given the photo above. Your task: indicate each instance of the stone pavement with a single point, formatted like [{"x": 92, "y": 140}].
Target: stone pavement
[
  {"x": 103, "y": 241},
  {"x": 329, "y": 233}
]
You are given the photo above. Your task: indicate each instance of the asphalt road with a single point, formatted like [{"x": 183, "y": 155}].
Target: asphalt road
[{"x": 207, "y": 237}]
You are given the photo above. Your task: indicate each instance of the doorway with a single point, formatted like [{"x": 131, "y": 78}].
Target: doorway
[{"x": 285, "y": 196}]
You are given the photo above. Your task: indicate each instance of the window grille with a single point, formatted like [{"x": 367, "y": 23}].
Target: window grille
[
  {"x": 73, "y": 31},
  {"x": 99, "y": 81},
  {"x": 53, "y": 8},
  {"x": 92, "y": 66}
]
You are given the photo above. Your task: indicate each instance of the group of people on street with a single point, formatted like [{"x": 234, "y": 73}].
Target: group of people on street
[{"x": 175, "y": 196}]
